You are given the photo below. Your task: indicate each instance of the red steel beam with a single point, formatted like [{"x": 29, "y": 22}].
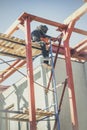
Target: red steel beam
[
  {"x": 49, "y": 22},
  {"x": 82, "y": 50},
  {"x": 81, "y": 44},
  {"x": 71, "y": 90},
  {"x": 30, "y": 78},
  {"x": 55, "y": 48},
  {"x": 42, "y": 20},
  {"x": 3, "y": 88},
  {"x": 67, "y": 35},
  {"x": 13, "y": 68}
]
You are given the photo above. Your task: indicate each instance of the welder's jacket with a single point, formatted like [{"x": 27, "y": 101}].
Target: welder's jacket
[{"x": 37, "y": 34}]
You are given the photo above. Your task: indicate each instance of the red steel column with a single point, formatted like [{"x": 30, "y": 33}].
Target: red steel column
[
  {"x": 71, "y": 91},
  {"x": 30, "y": 78}
]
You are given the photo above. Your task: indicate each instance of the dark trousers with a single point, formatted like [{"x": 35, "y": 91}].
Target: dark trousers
[{"x": 45, "y": 52}]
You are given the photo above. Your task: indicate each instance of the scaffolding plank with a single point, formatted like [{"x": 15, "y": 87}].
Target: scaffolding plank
[
  {"x": 41, "y": 113},
  {"x": 15, "y": 47}
]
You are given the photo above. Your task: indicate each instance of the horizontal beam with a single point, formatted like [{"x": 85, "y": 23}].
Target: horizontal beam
[
  {"x": 40, "y": 19},
  {"x": 77, "y": 14},
  {"x": 14, "y": 119},
  {"x": 49, "y": 22},
  {"x": 13, "y": 68},
  {"x": 80, "y": 31},
  {"x": 3, "y": 88},
  {"x": 80, "y": 44},
  {"x": 14, "y": 40},
  {"x": 12, "y": 28}
]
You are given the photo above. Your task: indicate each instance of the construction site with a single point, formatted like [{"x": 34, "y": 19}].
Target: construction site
[{"x": 44, "y": 99}]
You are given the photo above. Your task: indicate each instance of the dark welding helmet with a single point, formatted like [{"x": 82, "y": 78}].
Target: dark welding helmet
[{"x": 43, "y": 28}]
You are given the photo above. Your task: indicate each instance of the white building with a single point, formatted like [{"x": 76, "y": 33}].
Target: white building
[{"x": 18, "y": 95}]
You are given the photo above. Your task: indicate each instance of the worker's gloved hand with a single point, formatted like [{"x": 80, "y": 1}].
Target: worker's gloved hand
[{"x": 46, "y": 40}]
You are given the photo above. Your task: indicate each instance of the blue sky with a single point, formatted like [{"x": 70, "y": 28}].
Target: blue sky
[{"x": 55, "y": 10}]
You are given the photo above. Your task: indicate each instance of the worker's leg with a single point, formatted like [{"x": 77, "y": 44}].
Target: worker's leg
[{"x": 45, "y": 52}]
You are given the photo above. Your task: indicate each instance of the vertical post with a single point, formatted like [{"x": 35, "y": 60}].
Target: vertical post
[
  {"x": 71, "y": 91},
  {"x": 43, "y": 73},
  {"x": 30, "y": 78},
  {"x": 57, "y": 121}
]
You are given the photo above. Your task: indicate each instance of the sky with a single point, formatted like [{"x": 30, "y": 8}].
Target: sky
[{"x": 55, "y": 10}]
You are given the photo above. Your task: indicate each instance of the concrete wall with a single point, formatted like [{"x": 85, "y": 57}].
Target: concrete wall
[
  {"x": 85, "y": 69},
  {"x": 80, "y": 84},
  {"x": 18, "y": 94}
]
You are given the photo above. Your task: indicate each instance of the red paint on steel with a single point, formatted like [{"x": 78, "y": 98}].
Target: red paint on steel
[
  {"x": 72, "y": 99},
  {"x": 13, "y": 68},
  {"x": 57, "y": 52},
  {"x": 30, "y": 78}
]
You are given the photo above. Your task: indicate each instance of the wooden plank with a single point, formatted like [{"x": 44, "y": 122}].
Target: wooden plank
[
  {"x": 15, "y": 47},
  {"x": 12, "y": 28},
  {"x": 25, "y": 116},
  {"x": 81, "y": 43},
  {"x": 79, "y": 58},
  {"x": 9, "y": 107},
  {"x": 14, "y": 119},
  {"x": 82, "y": 49},
  {"x": 77, "y": 14},
  {"x": 18, "y": 116},
  {"x": 11, "y": 39},
  {"x": 40, "y": 112},
  {"x": 19, "y": 50},
  {"x": 21, "y": 27}
]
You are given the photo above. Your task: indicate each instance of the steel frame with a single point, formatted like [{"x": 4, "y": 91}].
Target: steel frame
[
  {"x": 23, "y": 23},
  {"x": 32, "y": 114},
  {"x": 74, "y": 118}
]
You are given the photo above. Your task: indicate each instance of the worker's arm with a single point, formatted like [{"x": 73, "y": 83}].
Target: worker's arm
[{"x": 47, "y": 40}]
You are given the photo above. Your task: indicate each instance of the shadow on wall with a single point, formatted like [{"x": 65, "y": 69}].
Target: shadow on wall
[
  {"x": 2, "y": 104},
  {"x": 19, "y": 90},
  {"x": 15, "y": 95}
]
